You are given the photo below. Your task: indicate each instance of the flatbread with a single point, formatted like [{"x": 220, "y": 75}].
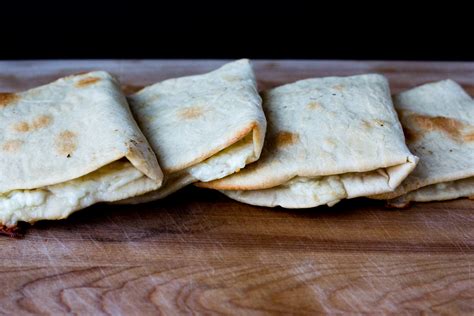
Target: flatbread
[
  {"x": 201, "y": 127},
  {"x": 438, "y": 120},
  {"x": 327, "y": 139},
  {"x": 67, "y": 145}
]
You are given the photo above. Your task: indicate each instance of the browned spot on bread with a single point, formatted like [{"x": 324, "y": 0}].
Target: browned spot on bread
[
  {"x": 330, "y": 141},
  {"x": 328, "y": 144},
  {"x": 66, "y": 143},
  {"x": 129, "y": 89},
  {"x": 21, "y": 127},
  {"x": 41, "y": 121},
  {"x": 372, "y": 123},
  {"x": 366, "y": 124},
  {"x": 191, "y": 112},
  {"x": 86, "y": 82},
  {"x": 410, "y": 135},
  {"x": 419, "y": 125},
  {"x": 469, "y": 137},
  {"x": 313, "y": 105},
  {"x": 379, "y": 122},
  {"x": 7, "y": 98},
  {"x": 12, "y": 145},
  {"x": 338, "y": 87},
  {"x": 285, "y": 138},
  {"x": 38, "y": 122},
  {"x": 449, "y": 126}
]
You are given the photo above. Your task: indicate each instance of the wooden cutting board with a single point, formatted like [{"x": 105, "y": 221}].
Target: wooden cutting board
[{"x": 198, "y": 251}]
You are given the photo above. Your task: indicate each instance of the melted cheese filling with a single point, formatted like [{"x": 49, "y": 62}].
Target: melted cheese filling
[
  {"x": 299, "y": 192},
  {"x": 225, "y": 162},
  {"x": 305, "y": 192},
  {"x": 116, "y": 181},
  {"x": 437, "y": 192}
]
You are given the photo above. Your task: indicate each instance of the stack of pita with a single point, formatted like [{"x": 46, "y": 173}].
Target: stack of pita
[
  {"x": 75, "y": 142},
  {"x": 438, "y": 119},
  {"x": 328, "y": 139}
]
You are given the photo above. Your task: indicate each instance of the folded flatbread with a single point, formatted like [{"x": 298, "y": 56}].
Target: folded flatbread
[
  {"x": 67, "y": 145},
  {"x": 201, "y": 127},
  {"x": 327, "y": 139},
  {"x": 438, "y": 120}
]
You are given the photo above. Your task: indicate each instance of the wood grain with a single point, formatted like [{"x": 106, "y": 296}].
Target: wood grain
[{"x": 199, "y": 252}]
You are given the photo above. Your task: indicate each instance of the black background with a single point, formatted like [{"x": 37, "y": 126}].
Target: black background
[{"x": 310, "y": 30}]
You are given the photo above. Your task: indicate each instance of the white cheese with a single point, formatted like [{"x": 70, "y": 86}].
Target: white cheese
[
  {"x": 113, "y": 182},
  {"x": 226, "y": 162},
  {"x": 299, "y": 192}
]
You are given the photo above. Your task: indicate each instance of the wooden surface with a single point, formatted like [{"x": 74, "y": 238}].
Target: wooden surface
[{"x": 198, "y": 251}]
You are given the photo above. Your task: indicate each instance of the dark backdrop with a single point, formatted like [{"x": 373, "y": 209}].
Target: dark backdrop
[{"x": 324, "y": 30}]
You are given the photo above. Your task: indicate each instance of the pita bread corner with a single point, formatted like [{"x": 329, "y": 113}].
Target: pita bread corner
[{"x": 303, "y": 144}]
